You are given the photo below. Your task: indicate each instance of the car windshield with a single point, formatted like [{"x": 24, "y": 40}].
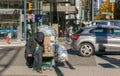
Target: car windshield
[
  {"x": 116, "y": 22},
  {"x": 101, "y": 23},
  {"x": 79, "y": 31}
]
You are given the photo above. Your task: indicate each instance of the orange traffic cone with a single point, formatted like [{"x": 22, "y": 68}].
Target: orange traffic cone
[{"x": 7, "y": 39}]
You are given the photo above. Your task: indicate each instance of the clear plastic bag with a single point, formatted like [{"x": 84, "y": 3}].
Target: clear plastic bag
[{"x": 61, "y": 53}]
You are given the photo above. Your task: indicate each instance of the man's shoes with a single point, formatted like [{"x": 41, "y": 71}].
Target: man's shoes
[
  {"x": 39, "y": 71},
  {"x": 33, "y": 69}
]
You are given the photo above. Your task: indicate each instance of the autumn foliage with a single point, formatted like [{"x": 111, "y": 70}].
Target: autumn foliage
[{"x": 104, "y": 7}]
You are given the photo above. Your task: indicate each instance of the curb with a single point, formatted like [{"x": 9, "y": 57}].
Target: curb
[{"x": 12, "y": 44}]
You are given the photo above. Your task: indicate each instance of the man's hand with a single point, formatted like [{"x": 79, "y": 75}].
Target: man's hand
[{"x": 29, "y": 55}]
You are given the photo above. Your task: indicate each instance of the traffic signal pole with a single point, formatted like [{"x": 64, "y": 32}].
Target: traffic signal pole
[
  {"x": 92, "y": 10},
  {"x": 41, "y": 9},
  {"x": 25, "y": 23},
  {"x": 112, "y": 7}
]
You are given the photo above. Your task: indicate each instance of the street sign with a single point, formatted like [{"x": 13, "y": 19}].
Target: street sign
[{"x": 38, "y": 18}]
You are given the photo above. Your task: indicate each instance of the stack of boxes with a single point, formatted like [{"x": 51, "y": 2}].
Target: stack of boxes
[{"x": 48, "y": 49}]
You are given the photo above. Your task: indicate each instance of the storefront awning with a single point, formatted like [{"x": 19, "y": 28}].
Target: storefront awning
[{"x": 68, "y": 9}]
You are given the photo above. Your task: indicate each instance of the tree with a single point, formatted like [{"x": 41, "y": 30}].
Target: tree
[
  {"x": 106, "y": 6},
  {"x": 100, "y": 17},
  {"x": 117, "y": 10}
]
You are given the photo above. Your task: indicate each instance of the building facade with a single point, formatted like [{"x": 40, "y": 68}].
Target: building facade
[
  {"x": 10, "y": 19},
  {"x": 11, "y": 15}
]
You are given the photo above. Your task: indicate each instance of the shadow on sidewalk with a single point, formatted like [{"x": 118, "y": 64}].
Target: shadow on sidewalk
[
  {"x": 58, "y": 71},
  {"x": 65, "y": 64},
  {"x": 112, "y": 61},
  {"x": 5, "y": 52},
  {"x": 72, "y": 52}
]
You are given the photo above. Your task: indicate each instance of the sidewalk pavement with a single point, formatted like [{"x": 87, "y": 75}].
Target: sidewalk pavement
[
  {"x": 17, "y": 43},
  {"x": 22, "y": 43},
  {"x": 60, "y": 71},
  {"x": 12, "y": 43}
]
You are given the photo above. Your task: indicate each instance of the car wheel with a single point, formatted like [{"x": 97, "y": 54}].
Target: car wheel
[{"x": 86, "y": 49}]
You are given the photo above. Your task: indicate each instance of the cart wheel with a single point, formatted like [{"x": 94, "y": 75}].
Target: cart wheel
[
  {"x": 50, "y": 68},
  {"x": 44, "y": 68},
  {"x": 53, "y": 62}
]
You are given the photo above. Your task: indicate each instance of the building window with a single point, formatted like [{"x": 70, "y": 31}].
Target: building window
[{"x": 11, "y": 4}]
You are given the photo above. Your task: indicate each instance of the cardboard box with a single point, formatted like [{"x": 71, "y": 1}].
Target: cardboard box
[
  {"x": 47, "y": 40},
  {"x": 48, "y": 54},
  {"x": 48, "y": 50},
  {"x": 48, "y": 47}
]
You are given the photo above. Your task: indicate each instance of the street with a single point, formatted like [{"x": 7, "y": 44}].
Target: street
[{"x": 12, "y": 63}]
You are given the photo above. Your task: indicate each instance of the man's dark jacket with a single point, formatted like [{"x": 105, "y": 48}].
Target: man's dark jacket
[{"x": 31, "y": 43}]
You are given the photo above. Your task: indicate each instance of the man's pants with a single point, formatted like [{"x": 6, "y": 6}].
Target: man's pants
[{"x": 37, "y": 65}]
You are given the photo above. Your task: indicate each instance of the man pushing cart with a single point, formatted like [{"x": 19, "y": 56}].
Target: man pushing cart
[{"x": 41, "y": 50}]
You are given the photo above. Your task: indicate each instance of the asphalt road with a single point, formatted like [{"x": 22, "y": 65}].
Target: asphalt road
[{"x": 13, "y": 57}]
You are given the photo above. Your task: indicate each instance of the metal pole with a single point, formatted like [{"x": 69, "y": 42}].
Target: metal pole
[
  {"x": 25, "y": 23},
  {"x": 92, "y": 10},
  {"x": 35, "y": 12},
  {"x": 41, "y": 8}
]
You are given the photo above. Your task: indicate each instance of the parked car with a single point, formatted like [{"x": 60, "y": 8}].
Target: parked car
[{"x": 96, "y": 38}]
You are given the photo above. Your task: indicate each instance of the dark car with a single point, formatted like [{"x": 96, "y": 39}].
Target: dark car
[{"x": 96, "y": 38}]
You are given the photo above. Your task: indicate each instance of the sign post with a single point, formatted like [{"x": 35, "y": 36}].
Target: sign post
[
  {"x": 113, "y": 6},
  {"x": 25, "y": 32}
]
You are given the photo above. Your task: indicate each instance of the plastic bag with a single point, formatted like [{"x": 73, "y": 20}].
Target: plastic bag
[
  {"x": 47, "y": 30},
  {"x": 61, "y": 53}
]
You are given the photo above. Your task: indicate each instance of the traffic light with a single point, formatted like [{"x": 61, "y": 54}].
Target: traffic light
[
  {"x": 113, "y": 6},
  {"x": 29, "y": 6}
]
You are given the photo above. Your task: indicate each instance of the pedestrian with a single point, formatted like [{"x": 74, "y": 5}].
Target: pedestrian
[
  {"x": 34, "y": 50},
  {"x": 70, "y": 31},
  {"x": 65, "y": 33},
  {"x": 61, "y": 33}
]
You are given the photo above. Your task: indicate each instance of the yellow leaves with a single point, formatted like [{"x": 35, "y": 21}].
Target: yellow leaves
[
  {"x": 99, "y": 17},
  {"x": 105, "y": 6}
]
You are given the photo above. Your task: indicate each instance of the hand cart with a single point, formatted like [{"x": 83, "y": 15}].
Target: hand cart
[{"x": 48, "y": 56}]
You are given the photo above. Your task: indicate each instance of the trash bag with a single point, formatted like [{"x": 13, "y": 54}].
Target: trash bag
[
  {"x": 61, "y": 53},
  {"x": 47, "y": 30}
]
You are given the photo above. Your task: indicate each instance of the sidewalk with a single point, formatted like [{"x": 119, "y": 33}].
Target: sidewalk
[
  {"x": 22, "y": 43},
  {"x": 15, "y": 42},
  {"x": 71, "y": 70},
  {"x": 62, "y": 71},
  {"x": 12, "y": 43}
]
